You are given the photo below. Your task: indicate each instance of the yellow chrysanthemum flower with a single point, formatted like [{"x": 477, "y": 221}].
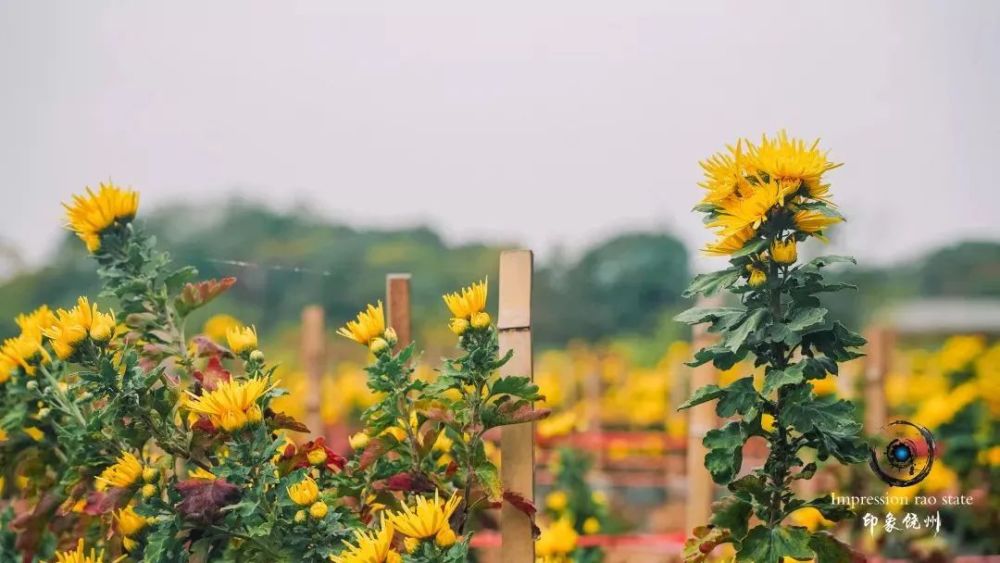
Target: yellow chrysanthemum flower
[
  {"x": 241, "y": 339},
  {"x": 467, "y": 302},
  {"x": 318, "y": 510},
  {"x": 790, "y": 161},
  {"x": 810, "y": 518},
  {"x": 725, "y": 175},
  {"x": 232, "y": 405},
  {"x": 728, "y": 244},
  {"x": 91, "y": 214},
  {"x": 36, "y": 321},
  {"x": 370, "y": 324},
  {"x": 218, "y": 326},
  {"x": 72, "y": 327},
  {"x": 126, "y": 471},
  {"x": 557, "y": 501},
  {"x": 813, "y": 222},
  {"x": 735, "y": 216},
  {"x": 304, "y": 493},
  {"x": 24, "y": 350},
  {"x": 128, "y": 522},
  {"x": 34, "y": 433},
  {"x": 370, "y": 547},
  {"x": 757, "y": 276},
  {"x": 79, "y": 555},
  {"x": 199, "y": 473},
  {"x": 427, "y": 518},
  {"x": 591, "y": 526},
  {"x": 556, "y": 540},
  {"x": 3, "y": 435}
]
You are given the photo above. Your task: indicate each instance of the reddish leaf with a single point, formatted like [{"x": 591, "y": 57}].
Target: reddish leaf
[
  {"x": 279, "y": 420},
  {"x": 704, "y": 539},
  {"x": 203, "y": 499},
  {"x": 213, "y": 374},
  {"x": 518, "y": 501},
  {"x": 102, "y": 502},
  {"x": 512, "y": 412},
  {"x": 407, "y": 482},
  {"x": 31, "y": 525},
  {"x": 206, "y": 347},
  {"x": 373, "y": 451},
  {"x": 205, "y": 425},
  {"x": 333, "y": 461},
  {"x": 197, "y": 294}
]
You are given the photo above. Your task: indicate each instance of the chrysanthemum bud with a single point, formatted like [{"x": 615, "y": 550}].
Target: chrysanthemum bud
[
  {"x": 317, "y": 456},
  {"x": 390, "y": 336},
  {"x": 149, "y": 474},
  {"x": 102, "y": 327},
  {"x": 591, "y": 526},
  {"x": 481, "y": 320},
  {"x": 784, "y": 252},
  {"x": 757, "y": 277},
  {"x": 257, "y": 356},
  {"x": 767, "y": 422},
  {"x": 318, "y": 510},
  {"x": 31, "y": 385},
  {"x": 129, "y": 544},
  {"x": 300, "y": 516},
  {"x": 445, "y": 537},
  {"x": 44, "y": 413},
  {"x": 359, "y": 441},
  {"x": 458, "y": 326},
  {"x": 378, "y": 345},
  {"x": 148, "y": 491},
  {"x": 393, "y": 557},
  {"x": 411, "y": 544},
  {"x": 255, "y": 415}
]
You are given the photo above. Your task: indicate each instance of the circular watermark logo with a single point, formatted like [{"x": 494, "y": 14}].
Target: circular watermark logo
[{"x": 907, "y": 457}]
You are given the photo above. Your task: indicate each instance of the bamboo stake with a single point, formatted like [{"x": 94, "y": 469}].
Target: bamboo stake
[
  {"x": 313, "y": 358},
  {"x": 397, "y": 297},
  {"x": 517, "y": 442},
  {"x": 701, "y": 419}
]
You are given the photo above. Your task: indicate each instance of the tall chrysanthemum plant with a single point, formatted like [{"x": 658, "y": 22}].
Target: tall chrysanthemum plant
[
  {"x": 171, "y": 441},
  {"x": 425, "y": 440},
  {"x": 763, "y": 200}
]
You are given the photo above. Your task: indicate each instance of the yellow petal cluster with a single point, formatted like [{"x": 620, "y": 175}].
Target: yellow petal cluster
[
  {"x": 369, "y": 326},
  {"x": 128, "y": 522},
  {"x": 556, "y": 541},
  {"x": 753, "y": 183},
  {"x": 25, "y": 350},
  {"x": 79, "y": 555},
  {"x": 125, "y": 472},
  {"x": 71, "y": 327},
  {"x": 91, "y": 214},
  {"x": 241, "y": 339},
  {"x": 426, "y": 518},
  {"x": 304, "y": 493},
  {"x": 465, "y": 304},
  {"x": 370, "y": 547},
  {"x": 232, "y": 405}
]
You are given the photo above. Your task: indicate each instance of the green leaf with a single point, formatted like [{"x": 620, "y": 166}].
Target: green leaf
[
  {"x": 733, "y": 514},
  {"x": 709, "y": 284},
  {"x": 725, "y": 455},
  {"x": 766, "y": 545},
  {"x": 751, "y": 487},
  {"x": 777, "y": 378},
  {"x": 806, "y": 317},
  {"x": 826, "y": 414},
  {"x": 829, "y": 549},
  {"x": 697, "y": 315},
  {"x": 521, "y": 387},
  {"x": 720, "y": 357},
  {"x": 751, "y": 248},
  {"x": 703, "y": 395},
  {"x": 740, "y": 398},
  {"x": 737, "y": 336},
  {"x": 823, "y": 261},
  {"x": 831, "y": 510}
]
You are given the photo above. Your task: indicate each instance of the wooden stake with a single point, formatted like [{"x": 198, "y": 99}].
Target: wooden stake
[
  {"x": 397, "y": 297},
  {"x": 701, "y": 419},
  {"x": 880, "y": 341},
  {"x": 313, "y": 360},
  {"x": 517, "y": 442}
]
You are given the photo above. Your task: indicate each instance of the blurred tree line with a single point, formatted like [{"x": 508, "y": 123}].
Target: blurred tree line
[{"x": 627, "y": 285}]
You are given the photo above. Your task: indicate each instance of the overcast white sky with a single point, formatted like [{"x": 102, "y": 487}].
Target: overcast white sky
[{"x": 544, "y": 122}]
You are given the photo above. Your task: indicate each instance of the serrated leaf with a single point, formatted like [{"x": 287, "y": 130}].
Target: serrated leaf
[
  {"x": 735, "y": 337},
  {"x": 826, "y": 414},
  {"x": 777, "y": 378},
  {"x": 712, "y": 283},
  {"x": 752, "y": 247},
  {"x": 702, "y": 395},
  {"x": 740, "y": 398},
  {"x": 805, "y": 317},
  {"x": 732, "y": 513},
  {"x": 829, "y": 549},
  {"x": 725, "y": 455},
  {"x": 763, "y": 544},
  {"x": 697, "y": 315},
  {"x": 521, "y": 387}
]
